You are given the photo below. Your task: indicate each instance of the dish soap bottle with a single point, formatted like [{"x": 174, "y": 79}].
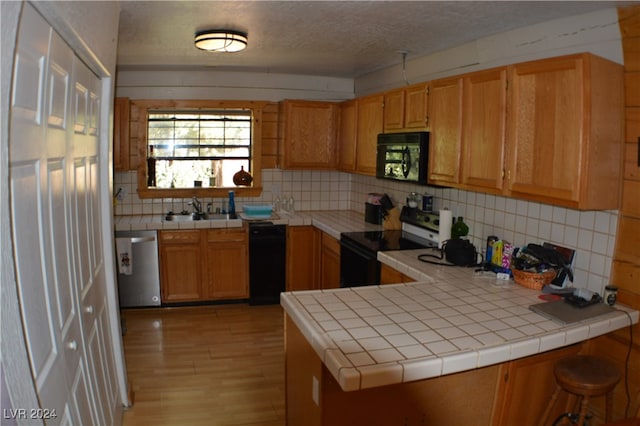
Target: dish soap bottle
[
  {"x": 459, "y": 228},
  {"x": 232, "y": 205}
]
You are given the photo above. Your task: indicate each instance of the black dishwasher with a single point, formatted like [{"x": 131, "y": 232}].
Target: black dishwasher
[{"x": 267, "y": 254}]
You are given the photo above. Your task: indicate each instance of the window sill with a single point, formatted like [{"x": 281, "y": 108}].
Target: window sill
[{"x": 240, "y": 191}]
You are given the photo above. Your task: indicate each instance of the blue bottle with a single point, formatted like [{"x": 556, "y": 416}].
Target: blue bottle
[{"x": 232, "y": 205}]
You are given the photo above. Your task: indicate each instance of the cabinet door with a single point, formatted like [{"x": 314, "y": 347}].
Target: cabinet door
[
  {"x": 346, "y": 151},
  {"x": 484, "y": 118},
  {"x": 121, "y": 114},
  {"x": 394, "y": 102},
  {"x": 309, "y": 132},
  {"x": 564, "y": 131},
  {"x": 330, "y": 262},
  {"x": 416, "y": 106},
  {"x": 227, "y": 264},
  {"x": 302, "y": 258},
  {"x": 180, "y": 266},
  {"x": 445, "y": 110},
  {"x": 546, "y": 125},
  {"x": 389, "y": 275},
  {"x": 526, "y": 388},
  {"x": 370, "y": 113}
]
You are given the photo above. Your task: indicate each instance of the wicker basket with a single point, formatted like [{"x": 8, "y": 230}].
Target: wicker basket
[{"x": 533, "y": 280}]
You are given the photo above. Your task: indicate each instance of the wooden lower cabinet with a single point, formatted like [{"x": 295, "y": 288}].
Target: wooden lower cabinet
[
  {"x": 313, "y": 259},
  {"x": 302, "y": 258},
  {"x": 181, "y": 265},
  {"x": 511, "y": 393},
  {"x": 329, "y": 262},
  {"x": 201, "y": 265},
  {"x": 388, "y": 275},
  {"x": 525, "y": 388},
  {"x": 227, "y": 264}
]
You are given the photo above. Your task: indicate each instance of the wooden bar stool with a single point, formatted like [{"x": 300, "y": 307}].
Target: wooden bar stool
[{"x": 583, "y": 377}]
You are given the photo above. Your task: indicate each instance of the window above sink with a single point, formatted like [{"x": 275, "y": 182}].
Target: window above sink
[{"x": 195, "y": 147}]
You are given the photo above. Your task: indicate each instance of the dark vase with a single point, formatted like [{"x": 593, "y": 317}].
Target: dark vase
[{"x": 242, "y": 178}]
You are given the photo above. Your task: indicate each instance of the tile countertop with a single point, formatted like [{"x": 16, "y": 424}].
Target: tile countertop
[
  {"x": 331, "y": 222},
  {"x": 453, "y": 319}
]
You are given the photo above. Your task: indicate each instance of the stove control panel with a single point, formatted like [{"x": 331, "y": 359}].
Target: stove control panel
[{"x": 417, "y": 217}]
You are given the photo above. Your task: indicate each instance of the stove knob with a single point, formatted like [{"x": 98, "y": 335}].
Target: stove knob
[{"x": 436, "y": 222}]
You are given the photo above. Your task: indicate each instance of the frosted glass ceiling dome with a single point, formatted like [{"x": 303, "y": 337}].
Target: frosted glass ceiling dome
[{"x": 223, "y": 41}]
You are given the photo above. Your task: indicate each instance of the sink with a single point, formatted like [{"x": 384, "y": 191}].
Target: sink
[
  {"x": 215, "y": 216},
  {"x": 194, "y": 217},
  {"x": 178, "y": 218}
]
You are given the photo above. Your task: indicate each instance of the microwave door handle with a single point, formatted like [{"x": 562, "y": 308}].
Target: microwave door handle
[{"x": 406, "y": 161}]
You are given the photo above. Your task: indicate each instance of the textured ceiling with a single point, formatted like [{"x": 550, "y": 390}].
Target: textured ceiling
[{"x": 329, "y": 38}]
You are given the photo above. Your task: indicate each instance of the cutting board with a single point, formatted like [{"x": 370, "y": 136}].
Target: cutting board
[
  {"x": 564, "y": 313},
  {"x": 392, "y": 221}
]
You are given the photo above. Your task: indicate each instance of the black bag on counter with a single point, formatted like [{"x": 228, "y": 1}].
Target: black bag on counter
[{"x": 460, "y": 252}]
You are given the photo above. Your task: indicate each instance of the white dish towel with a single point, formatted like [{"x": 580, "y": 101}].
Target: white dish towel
[{"x": 125, "y": 256}]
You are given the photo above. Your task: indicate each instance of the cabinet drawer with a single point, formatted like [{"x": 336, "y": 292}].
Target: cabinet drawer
[
  {"x": 226, "y": 235},
  {"x": 179, "y": 236}
]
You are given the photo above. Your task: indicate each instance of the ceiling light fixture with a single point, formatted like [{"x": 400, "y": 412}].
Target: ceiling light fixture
[{"x": 221, "y": 40}]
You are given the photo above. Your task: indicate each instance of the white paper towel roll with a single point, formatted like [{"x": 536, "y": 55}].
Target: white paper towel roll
[{"x": 444, "y": 232}]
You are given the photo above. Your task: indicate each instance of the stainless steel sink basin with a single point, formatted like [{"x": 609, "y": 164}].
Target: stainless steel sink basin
[{"x": 194, "y": 217}]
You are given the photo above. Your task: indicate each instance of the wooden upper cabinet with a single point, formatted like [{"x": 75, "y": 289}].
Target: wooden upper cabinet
[
  {"x": 308, "y": 133},
  {"x": 484, "y": 121},
  {"x": 445, "y": 140},
  {"x": 565, "y": 131},
  {"x": 416, "y": 115},
  {"x": 369, "y": 126},
  {"x": 394, "y": 109},
  {"x": 406, "y": 108},
  {"x": 346, "y": 151},
  {"x": 121, "y": 115}
]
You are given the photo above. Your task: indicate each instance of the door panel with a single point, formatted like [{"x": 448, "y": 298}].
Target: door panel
[
  {"x": 37, "y": 311},
  {"x": 56, "y": 222}
]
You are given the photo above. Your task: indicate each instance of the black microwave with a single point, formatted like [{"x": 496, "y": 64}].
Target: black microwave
[{"x": 403, "y": 156}]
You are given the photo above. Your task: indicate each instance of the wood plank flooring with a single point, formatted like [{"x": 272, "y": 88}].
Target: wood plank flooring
[{"x": 216, "y": 365}]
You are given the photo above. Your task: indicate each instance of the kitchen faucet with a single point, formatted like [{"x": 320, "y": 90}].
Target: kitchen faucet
[{"x": 197, "y": 206}]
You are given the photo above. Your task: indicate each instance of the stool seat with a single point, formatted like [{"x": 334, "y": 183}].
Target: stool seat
[
  {"x": 583, "y": 377},
  {"x": 587, "y": 375}
]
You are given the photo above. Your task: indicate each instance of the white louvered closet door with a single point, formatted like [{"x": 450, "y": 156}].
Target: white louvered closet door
[{"x": 55, "y": 212}]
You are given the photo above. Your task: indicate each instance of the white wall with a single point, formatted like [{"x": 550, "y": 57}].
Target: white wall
[
  {"x": 213, "y": 84},
  {"x": 596, "y": 32}
]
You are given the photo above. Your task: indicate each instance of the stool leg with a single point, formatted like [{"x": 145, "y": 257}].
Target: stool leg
[
  {"x": 547, "y": 411},
  {"x": 583, "y": 410},
  {"x": 572, "y": 402}
]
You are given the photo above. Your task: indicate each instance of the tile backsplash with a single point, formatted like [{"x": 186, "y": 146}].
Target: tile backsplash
[
  {"x": 311, "y": 190},
  {"x": 591, "y": 233}
]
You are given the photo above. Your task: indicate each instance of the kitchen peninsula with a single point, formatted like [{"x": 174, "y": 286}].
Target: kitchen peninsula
[{"x": 455, "y": 347}]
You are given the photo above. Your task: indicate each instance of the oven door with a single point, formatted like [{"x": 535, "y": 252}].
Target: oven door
[{"x": 358, "y": 266}]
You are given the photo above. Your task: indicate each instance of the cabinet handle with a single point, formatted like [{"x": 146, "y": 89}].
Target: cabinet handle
[
  {"x": 638, "y": 151},
  {"x": 89, "y": 309},
  {"x": 73, "y": 345}
]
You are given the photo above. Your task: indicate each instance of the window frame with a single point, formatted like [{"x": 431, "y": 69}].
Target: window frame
[{"x": 139, "y": 129}]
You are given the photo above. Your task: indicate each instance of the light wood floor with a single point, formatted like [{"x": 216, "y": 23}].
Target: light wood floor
[{"x": 205, "y": 365}]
